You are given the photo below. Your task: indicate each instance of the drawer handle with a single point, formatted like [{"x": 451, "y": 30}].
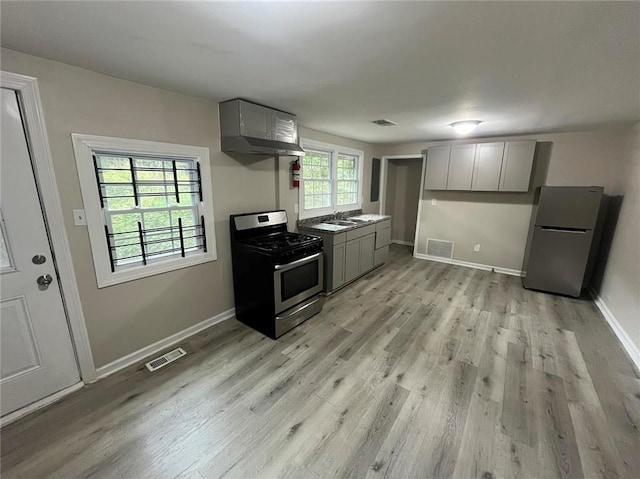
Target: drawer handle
[
  {"x": 563, "y": 230},
  {"x": 304, "y": 306}
]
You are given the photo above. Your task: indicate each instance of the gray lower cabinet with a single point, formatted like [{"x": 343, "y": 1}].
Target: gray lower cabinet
[
  {"x": 383, "y": 240},
  {"x": 381, "y": 255},
  {"x": 367, "y": 247},
  {"x": 359, "y": 256},
  {"x": 383, "y": 237},
  {"x": 352, "y": 259},
  {"x": 353, "y": 253},
  {"x": 337, "y": 262}
]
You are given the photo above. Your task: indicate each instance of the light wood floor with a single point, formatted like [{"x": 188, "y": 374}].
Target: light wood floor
[{"x": 418, "y": 370}]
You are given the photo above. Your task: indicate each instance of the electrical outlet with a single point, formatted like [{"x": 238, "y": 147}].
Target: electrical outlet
[
  {"x": 434, "y": 202},
  {"x": 476, "y": 248},
  {"x": 79, "y": 219}
]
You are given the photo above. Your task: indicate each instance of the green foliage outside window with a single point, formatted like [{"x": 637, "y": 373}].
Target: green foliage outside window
[
  {"x": 157, "y": 207},
  {"x": 318, "y": 184}
]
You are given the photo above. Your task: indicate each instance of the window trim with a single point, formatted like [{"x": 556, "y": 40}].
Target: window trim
[
  {"x": 335, "y": 150},
  {"x": 83, "y": 146}
]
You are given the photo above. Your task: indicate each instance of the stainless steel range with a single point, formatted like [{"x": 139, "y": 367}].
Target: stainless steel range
[{"x": 277, "y": 275}]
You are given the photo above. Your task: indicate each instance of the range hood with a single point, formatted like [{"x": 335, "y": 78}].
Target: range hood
[
  {"x": 250, "y": 128},
  {"x": 260, "y": 146}
]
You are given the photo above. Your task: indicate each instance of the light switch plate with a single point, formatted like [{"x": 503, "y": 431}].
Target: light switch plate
[
  {"x": 295, "y": 208},
  {"x": 434, "y": 202},
  {"x": 79, "y": 219}
]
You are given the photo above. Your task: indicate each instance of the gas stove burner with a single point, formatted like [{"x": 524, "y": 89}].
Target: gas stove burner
[{"x": 281, "y": 241}]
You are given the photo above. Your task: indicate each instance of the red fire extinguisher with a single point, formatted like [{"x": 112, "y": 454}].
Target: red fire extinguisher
[{"x": 295, "y": 173}]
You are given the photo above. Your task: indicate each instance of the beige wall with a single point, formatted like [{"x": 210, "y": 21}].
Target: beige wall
[
  {"x": 126, "y": 317},
  {"x": 288, "y": 196},
  {"x": 402, "y": 196},
  {"x": 618, "y": 283},
  {"x": 499, "y": 222}
]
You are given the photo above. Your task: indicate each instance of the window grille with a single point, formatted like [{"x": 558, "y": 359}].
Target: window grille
[{"x": 151, "y": 207}]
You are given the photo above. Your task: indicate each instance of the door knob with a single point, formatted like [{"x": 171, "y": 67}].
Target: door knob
[{"x": 45, "y": 280}]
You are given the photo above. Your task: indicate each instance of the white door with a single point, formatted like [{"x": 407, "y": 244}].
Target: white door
[{"x": 36, "y": 354}]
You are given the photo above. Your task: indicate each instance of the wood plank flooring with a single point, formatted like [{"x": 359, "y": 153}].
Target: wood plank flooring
[{"x": 418, "y": 370}]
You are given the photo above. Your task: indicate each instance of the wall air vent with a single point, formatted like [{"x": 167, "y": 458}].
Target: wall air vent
[
  {"x": 440, "y": 248},
  {"x": 384, "y": 122},
  {"x": 165, "y": 359}
]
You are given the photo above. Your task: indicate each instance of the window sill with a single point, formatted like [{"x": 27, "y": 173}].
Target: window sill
[
  {"x": 139, "y": 272},
  {"x": 308, "y": 214}
]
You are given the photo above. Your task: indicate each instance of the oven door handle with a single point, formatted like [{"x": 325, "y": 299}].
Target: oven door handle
[{"x": 295, "y": 264}]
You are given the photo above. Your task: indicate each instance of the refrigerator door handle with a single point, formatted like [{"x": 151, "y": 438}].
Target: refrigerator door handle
[{"x": 563, "y": 230}]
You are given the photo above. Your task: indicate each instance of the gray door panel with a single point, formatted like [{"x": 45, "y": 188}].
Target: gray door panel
[
  {"x": 338, "y": 266},
  {"x": 488, "y": 163},
  {"x": 367, "y": 245},
  {"x": 437, "y": 168},
  {"x": 569, "y": 207},
  {"x": 461, "y": 167},
  {"x": 352, "y": 260},
  {"x": 557, "y": 260}
]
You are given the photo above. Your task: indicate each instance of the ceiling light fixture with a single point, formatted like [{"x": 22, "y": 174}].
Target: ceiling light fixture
[
  {"x": 465, "y": 127},
  {"x": 384, "y": 122}
]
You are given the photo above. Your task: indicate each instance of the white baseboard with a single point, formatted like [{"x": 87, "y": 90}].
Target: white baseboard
[
  {"x": 143, "y": 353},
  {"x": 623, "y": 337},
  {"x": 467, "y": 264},
  {"x": 15, "y": 415},
  {"x": 402, "y": 242}
]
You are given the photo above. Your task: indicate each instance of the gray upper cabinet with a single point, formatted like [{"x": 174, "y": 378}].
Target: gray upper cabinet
[
  {"x": 461, "y": 167},
  {"x": 437, "y": 168},
  {"x": 497, "y": 166},
  {"x": 486, "y": 169},
  {"x": 517, "y": 164}
]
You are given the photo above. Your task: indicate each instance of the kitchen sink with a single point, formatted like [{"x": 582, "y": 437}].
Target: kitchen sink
[
  {"x": 342, "y": 223},
  {"x": 359, "y": 220}
]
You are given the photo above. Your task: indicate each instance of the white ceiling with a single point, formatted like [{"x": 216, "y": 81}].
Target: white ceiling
[{"x": 518, "y": 67}]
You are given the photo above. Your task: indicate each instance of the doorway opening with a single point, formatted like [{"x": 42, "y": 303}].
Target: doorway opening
[{"x": 402, "y": 197}]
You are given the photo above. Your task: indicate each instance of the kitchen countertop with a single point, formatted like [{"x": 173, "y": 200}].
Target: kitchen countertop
[{"x": 335, "y": 229}]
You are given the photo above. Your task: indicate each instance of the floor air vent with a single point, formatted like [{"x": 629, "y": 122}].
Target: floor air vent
[
  {"x": 441, "y": 248},
  {"x": 165, "y": 359}
]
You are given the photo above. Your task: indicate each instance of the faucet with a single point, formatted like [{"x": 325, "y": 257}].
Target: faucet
[{"x": 339, "y": 215}]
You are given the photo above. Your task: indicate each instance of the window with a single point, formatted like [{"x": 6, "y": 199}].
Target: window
[
  {"x": 316, "y": 176},
  {"x": 148, "y": 205},
  {"x": 347, "y": 180},
  {"x": 331, "y": 179},
  {"x": 6, "y": 261}
]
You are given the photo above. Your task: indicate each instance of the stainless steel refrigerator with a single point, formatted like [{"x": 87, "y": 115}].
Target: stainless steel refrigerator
[{"x": 563, "y": 239}]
